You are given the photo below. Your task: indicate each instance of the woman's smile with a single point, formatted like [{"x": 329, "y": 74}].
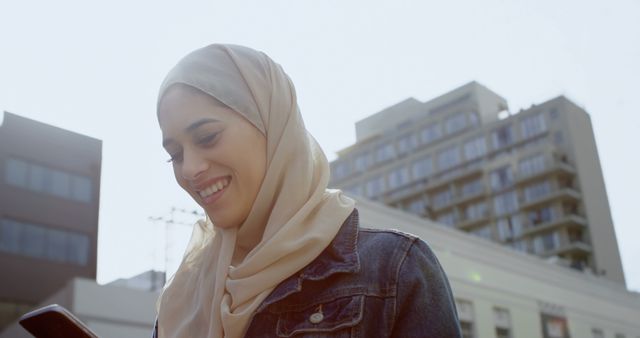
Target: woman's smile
[{"x": 213, "y": 190}]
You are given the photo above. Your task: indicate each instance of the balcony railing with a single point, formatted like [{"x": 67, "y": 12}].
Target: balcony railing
[
  {"x": 550, "y": 167},
  {"x": 561, "y": 193},
  {"x": 567, "y": 220}
]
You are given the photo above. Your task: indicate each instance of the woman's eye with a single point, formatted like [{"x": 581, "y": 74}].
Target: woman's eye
[
  {"x": 177, "y": 157},
  {"x": 207, "y": 139}
]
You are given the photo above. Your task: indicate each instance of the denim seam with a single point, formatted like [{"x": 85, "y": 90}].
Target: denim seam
[{"x": 397, "y": 278}]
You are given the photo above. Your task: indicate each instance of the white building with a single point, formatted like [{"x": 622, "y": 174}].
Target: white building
[{"x": 501, "y": 292}]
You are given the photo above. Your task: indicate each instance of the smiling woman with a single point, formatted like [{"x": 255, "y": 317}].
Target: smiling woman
[
  {"x": 279, "y": 254},
  {"x": 218, "y": 156}
]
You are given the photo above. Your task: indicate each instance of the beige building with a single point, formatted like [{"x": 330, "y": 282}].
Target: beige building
[{"x": 530, "y": 180}]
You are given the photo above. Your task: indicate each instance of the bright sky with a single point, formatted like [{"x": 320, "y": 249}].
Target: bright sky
[{"x": 95, "y": 67}]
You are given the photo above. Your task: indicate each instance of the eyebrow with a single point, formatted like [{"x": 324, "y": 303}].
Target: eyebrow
[{"x": 191, "y": 128}]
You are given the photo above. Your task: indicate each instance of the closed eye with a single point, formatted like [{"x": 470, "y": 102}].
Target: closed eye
[{"x": 208, "y": 139}]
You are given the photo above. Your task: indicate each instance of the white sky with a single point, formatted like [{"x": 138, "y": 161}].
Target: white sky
[{"x": 94, "y": 68}]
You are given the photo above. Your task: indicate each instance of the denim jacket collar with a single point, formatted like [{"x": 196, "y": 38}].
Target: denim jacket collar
[{"x": 340, "y": 256}]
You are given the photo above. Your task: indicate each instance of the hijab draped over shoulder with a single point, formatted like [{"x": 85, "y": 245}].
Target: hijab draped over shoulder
[{"x": 226, "y": 273}]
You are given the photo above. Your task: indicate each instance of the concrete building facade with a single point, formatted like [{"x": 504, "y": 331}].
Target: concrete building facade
[
  {"x": 504, "y": 293},
  {"x": 111, "y": 311},
  {"x": 530, "y": 180},
  {"x": 49, "y": 200}
]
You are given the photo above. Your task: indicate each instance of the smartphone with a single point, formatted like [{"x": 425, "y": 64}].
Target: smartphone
[{"x": 54, "y": 321}]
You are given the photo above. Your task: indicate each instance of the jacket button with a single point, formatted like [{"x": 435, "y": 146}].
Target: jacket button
[{"x": 316, "y": 317}]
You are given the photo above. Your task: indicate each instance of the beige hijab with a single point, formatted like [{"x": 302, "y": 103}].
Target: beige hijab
[{"x": 226, "y": 273}]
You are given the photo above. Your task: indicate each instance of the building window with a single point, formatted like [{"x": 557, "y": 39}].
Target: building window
[
  {"x": 473, "y": 119},
  {"x": 47, "y": 180},
  {"x": 558, "y": 137},
  {"x": 483, "y": 232},
  {"x": 546, "y": 242},
  {"x": 37, "y": 241},
  {"x": 554, "y": 326},
  {"x": 537, "y": 191},
  {"x": 509, "y": 227},
  {"x": 407, "y": 144},
  {"x": 16, "y": 172},
  {"x": 356, "y": 190},
  {"x": 385, "y": 152},
  {"x": 422, "y": 168},
  {"x": 502, "y": 137},
  {"x": 466, "y": 317},
  {"x": 533, "y": 125},
  {"x": 442, "y": 198},
  {"x": 375, "y": 187},
  {"x": 430, "y": 133},
  {"x": 502, "y": 321},
  {"x": 398, "y": 177},
  {"x": 472, "y": 188},
  {"x": 341, "y": 169},
  {"x": 475, "y": 148},
  {"x": 521, "y": 245},
  {"x": 449, "y": 158},
  {"x": 447, "y": 219},
  {"x": 476, "y": 211},
  {"x": 81, "y": 189},
  {"x": 540, "y": 216},
  {"x": 597, "y": 333},
  {"x": 362, "y": 162},
  {"x": 531, "y": 165},
  {"x": 501, "y": 178},
  {"x": 505, "y": 203},
  {"x": 455, "y": 123},
  {"x": 418, "y": 206}
]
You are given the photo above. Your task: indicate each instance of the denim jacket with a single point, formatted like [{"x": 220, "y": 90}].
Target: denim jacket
[{"x": 367, "y": 283}]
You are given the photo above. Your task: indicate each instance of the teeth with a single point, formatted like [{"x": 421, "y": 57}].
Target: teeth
[{"x": 214, "y": 188}]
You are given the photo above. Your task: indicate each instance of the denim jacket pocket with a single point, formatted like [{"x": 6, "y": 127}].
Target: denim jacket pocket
[{"x": 328, "y": 319}]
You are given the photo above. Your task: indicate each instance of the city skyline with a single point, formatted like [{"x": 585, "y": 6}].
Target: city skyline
[{"x": 69, "y": 65}]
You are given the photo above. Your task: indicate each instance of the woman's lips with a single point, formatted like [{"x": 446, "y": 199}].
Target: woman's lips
[{"x": 212, "y": 193}]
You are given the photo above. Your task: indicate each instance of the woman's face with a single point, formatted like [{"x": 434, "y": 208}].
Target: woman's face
[{"x": 218, "y": 156}]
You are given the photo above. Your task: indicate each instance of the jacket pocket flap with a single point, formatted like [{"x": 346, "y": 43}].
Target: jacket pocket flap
[{"x": 331, "y": 316}]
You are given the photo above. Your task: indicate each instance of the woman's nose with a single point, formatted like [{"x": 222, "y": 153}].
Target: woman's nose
[{"x": 193, "y": 165}]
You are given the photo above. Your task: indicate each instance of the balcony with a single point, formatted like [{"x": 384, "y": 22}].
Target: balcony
[
  {"x": 449, "y": 176},
  {"x": 562, "y": 193},
  {"x": 470, "y": 197},
  {"x": 567, "y": 220},
  {"x": 409, "y": 190},
  {"x": 569, "y": 248},
  {"x": 550, "y": 168},
  {"x": 468, "y": 223}
]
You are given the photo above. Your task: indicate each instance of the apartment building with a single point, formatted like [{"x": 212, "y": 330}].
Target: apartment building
[
  {"x": 49, "y": 199},
  {"x": 530, "y": 180}
]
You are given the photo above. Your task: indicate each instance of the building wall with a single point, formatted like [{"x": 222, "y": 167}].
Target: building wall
[
  {"x": 557, "y": 211},
  {"x": 49, "y": 200},
  {"x": 490, "y": 275},
  {"x": 606, "y": 252},
  {"x": 109, "y": 311}
]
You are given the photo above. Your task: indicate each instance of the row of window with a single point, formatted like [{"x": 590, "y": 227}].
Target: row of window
[
  {"x": 406, "y": 144},
  {"x": 502, "y": 137},
  {"x": 500, "y": 178},
  {"x": 553, "y": 325},
  {"x": 466, "y": 316},
  {"x": 42, "y": 242},
  {"x": 47, "y": 180}
]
